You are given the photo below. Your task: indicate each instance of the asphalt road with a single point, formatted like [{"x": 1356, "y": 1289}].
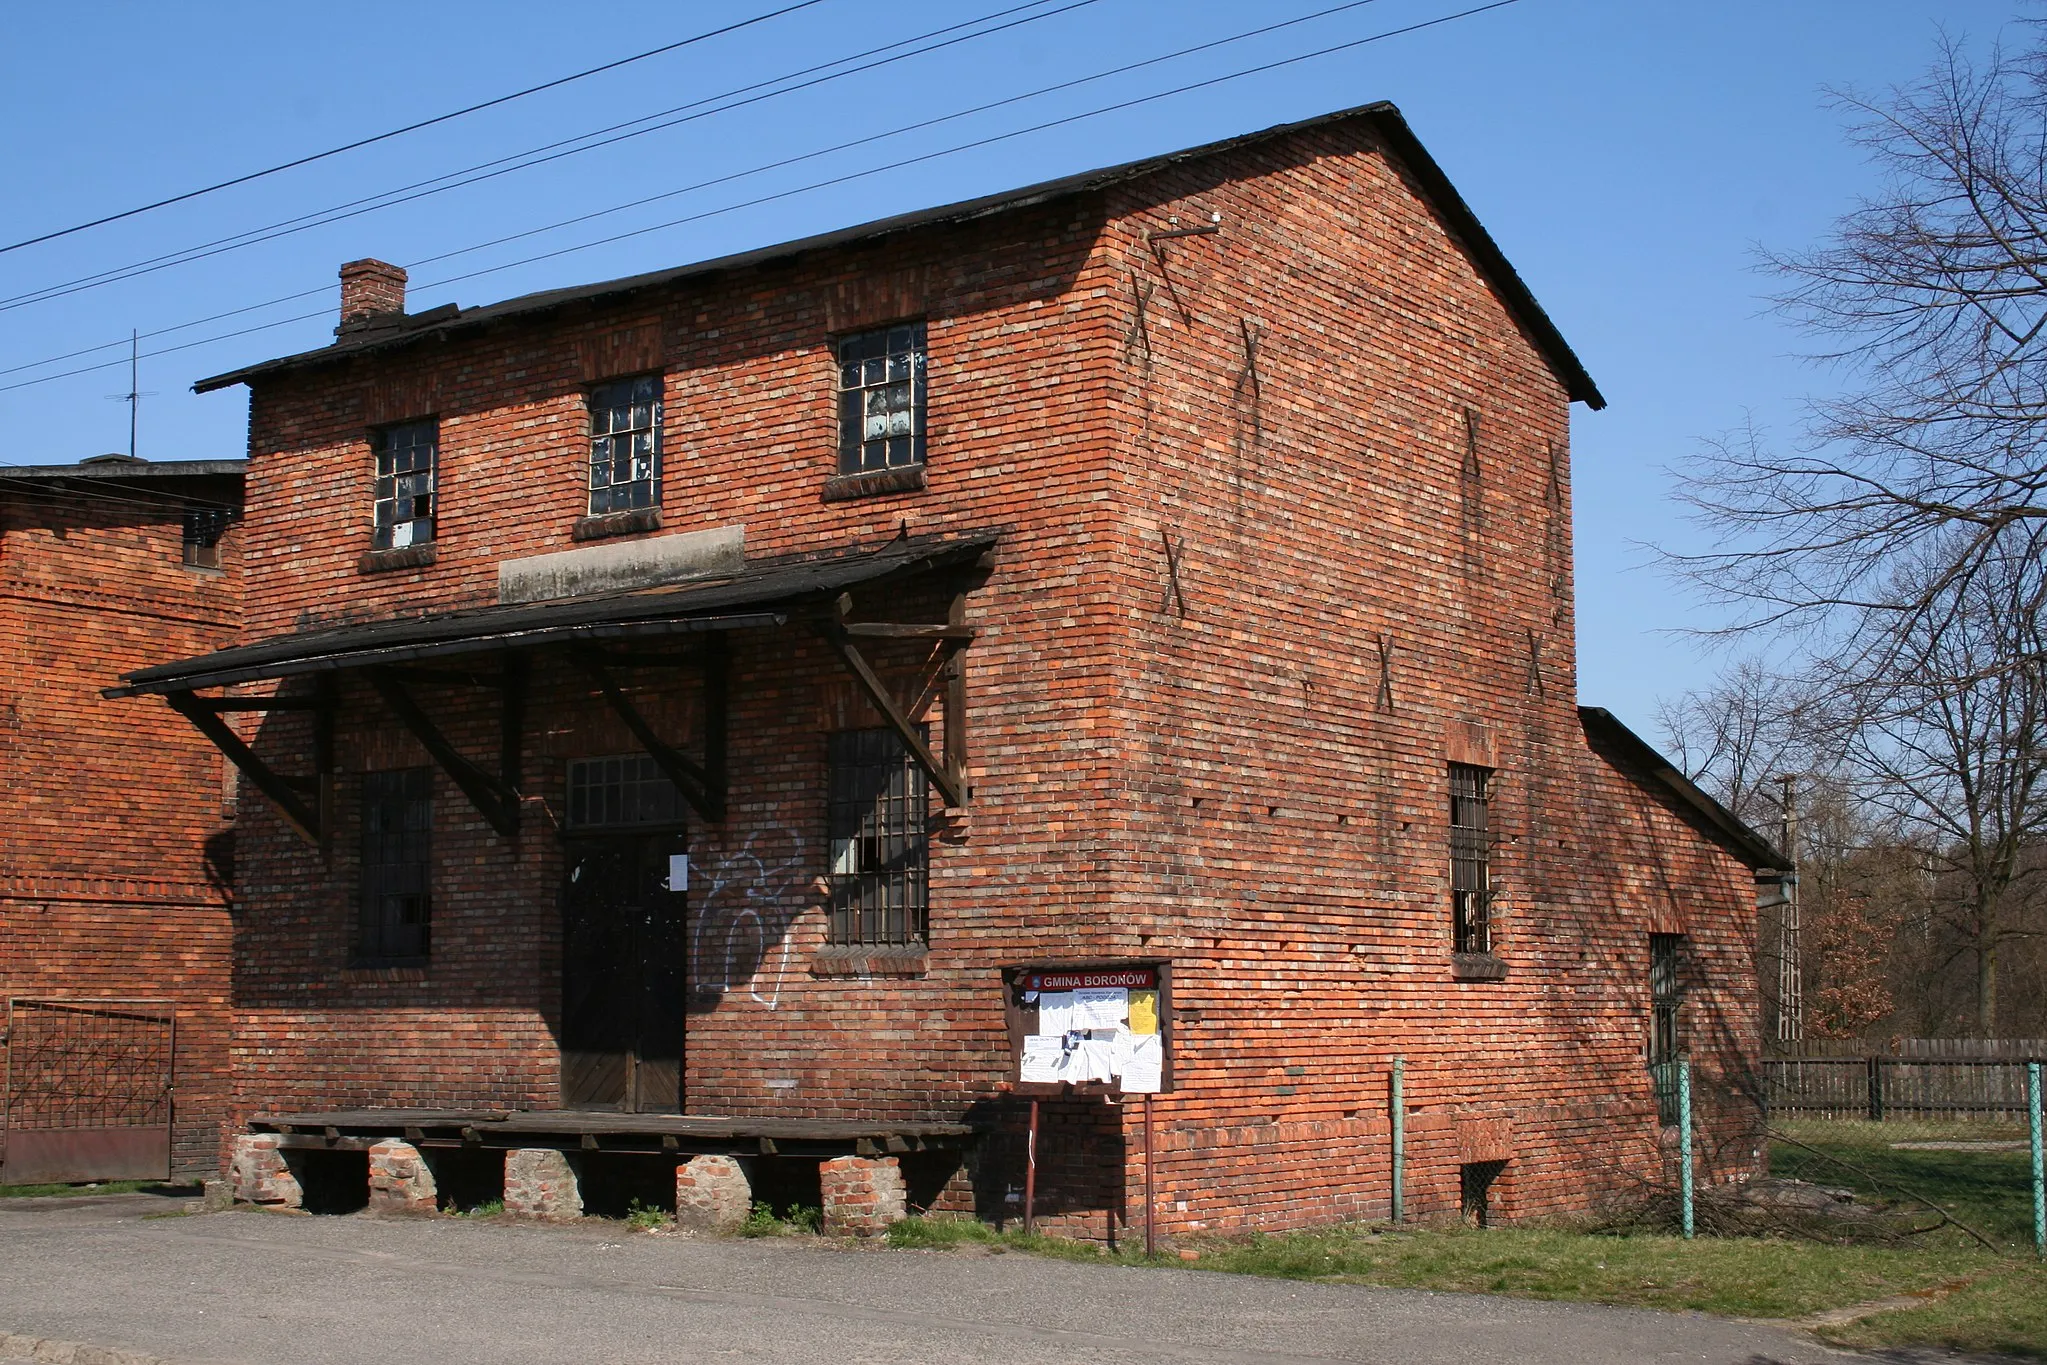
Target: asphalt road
[{"x": 267, "y": 1289}]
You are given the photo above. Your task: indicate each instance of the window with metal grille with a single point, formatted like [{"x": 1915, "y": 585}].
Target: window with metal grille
[
  {"x": 204, "y": 527},
  {"x": 1666, "y": 997},
  {"x": 881, "y": 399},
  {"x": 625, "y": 445},
  {"x": 408, "y": 457},
  {"x": 621, "y": 791},
  {"x": 876, "y": 824},
  {"x": 1471, "y": 852},
  {"x": 397, "y": 865}
]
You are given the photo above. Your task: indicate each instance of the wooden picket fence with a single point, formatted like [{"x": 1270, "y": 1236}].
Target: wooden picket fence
[{"x": 1909, "y": 1078}]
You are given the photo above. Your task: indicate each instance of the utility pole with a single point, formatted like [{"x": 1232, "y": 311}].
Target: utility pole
[{"x": 1790, "y": 977}]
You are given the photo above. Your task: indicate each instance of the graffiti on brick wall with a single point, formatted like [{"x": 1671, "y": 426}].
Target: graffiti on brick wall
[{"x": 744, "y": 903}]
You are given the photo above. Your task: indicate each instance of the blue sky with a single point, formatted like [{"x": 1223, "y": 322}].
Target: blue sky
[{"x": 1627, "y": 156}]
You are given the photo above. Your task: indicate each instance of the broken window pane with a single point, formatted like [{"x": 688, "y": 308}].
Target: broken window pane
[
  {"x": 625, "y": 445},
  {"x": 403, "y": 491},
  {"x": 881, "y": 399}
]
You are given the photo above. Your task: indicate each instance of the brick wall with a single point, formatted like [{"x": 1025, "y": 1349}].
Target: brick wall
[
  {"x": 117, "y": 841},
  {"x": 1285, "y": 530}
]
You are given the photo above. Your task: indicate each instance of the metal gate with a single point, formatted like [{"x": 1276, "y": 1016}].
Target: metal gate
[{"x": 88, "y": 1091}]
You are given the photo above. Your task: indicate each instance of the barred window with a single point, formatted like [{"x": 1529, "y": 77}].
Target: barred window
[
  {"x": 1471, "y": 897},
  {"x": 881, "y": 399},
  {"x": 408, "y": 457},
  {"x": 1666, "y": 997},
  {"x": 876, "y": 825},
  {"x": 397, "y": 865},
  {"x": 204, "y": 527},
  {"x": 625, "y": 445},
  {"x": 621, "y": 791}
]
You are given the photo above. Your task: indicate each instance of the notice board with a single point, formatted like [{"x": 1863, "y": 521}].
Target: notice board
[{"x": 1090, "y": 1028}]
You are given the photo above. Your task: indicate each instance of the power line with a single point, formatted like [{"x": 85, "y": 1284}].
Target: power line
[
  {"x": 539, "y": 156},
  {"x": 852, "y": 175},
  {"x": 411, "y": 127},
  {"x": 687, "y": 189}
]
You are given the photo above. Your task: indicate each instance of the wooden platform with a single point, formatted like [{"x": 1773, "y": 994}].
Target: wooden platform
[{"x": 609, "y": 1131}]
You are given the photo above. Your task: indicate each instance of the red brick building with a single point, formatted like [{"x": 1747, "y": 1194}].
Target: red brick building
[
  {"x": 115, "y": 820},
  {"x": 1166, "y": 569}
]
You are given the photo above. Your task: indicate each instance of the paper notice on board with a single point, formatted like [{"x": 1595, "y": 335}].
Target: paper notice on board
[
  {"x": 1101, "y": 1006},
  {"x": 1097, "y": 1060},
  {"x": 678, "y": 872},
  {"x": 1144, "y": 1011},
  {"x": 1055, "y": 1014},
  {"x": 1140, "y": 1062},
  {"x": 1042, "y": 1058}
]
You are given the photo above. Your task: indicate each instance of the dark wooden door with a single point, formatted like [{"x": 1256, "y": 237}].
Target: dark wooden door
[{"x": 623, "y": 977}]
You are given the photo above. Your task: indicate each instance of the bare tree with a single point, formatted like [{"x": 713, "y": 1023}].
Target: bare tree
[
  {"x": 1949, "y": 744},
  {"x": 1931, "y": 298},
  {"x": 1735, "y": 737}
]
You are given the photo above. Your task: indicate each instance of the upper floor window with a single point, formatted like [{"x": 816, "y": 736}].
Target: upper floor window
[
  {"x": 1471, "y": 897},
  {"x": 625, "y": 445},
  {"x": 397, "y": 865},
  {"x": 408, "y": 460},
  {"x": 881, "y": 399},
  {"x": 204, "y": 527},
  {"x": 876, "y": 821}
]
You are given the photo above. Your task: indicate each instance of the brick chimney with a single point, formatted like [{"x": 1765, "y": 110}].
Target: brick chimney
[{"x": 371, "y": 292}]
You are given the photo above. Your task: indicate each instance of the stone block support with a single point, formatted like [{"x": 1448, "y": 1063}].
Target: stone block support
[
  {"x": 400, "y": 1181},
  {"x": 712, "y": 1193},
  {"x": 259, "y": 1175},
  {"x": 540, "y": 1183},
  {"x": 862, "y": 1195}
]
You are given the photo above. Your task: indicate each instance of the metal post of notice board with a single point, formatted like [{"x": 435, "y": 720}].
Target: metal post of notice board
[
  {"x": 1151, "y": 1200},
  {"x": 1031, "y": 1172}
]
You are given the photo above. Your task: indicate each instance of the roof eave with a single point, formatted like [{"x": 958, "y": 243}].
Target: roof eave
[
  {"x": 1742, "y": 839},
  {"x": 1385, "y": 117}
]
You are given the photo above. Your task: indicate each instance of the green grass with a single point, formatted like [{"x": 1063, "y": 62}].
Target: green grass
[
  {"x": 1989, "y": 1191},
  {"x": 2003, "y": 1312},
  {"x": 101, "y": 1187},
  {"x": 645, "y": 1217},
  {"x": 765, "y": 1220},
  {"x": 1975, "y": 1300}
]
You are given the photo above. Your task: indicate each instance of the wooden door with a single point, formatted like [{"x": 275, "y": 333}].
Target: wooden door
[{"x": 623, "y": 978}]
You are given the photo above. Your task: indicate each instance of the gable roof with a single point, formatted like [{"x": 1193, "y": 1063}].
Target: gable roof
[
  {"x": 1640, "y": 760},
  {"x": 1382, "y": 117}
]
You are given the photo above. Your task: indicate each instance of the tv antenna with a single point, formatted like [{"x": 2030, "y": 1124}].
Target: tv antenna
[{"x": 136, "y": 393}]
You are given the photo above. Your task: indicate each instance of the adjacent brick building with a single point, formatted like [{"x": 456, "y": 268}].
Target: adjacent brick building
[
  {"x": 116, "y": 821},
  {"x": 1205, "y": 524}
]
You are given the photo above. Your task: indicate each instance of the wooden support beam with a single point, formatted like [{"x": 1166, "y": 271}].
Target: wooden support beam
[
  {"x": 221, "y": 705},
  {"x": 890, "y": 630},
  {"x": 696, "y": 784},
  {"x": 511, "y": 724},
  {"x": 286, "y": 793},
  {"x": 949, "y": 780},
  {"x": 326, "y": 694},
  {"x": 496, "y": 802}
]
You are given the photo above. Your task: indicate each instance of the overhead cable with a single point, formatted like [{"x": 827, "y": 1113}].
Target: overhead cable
[
  {"x": 839, "y": 179},
  {"x": 409, "y": 128},
  {"x": 542, "y": 155}
]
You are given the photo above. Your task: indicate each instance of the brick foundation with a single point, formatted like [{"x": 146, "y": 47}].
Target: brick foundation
[
  {"x": 260, "y": 1175},
  {"x": 862, "y": 1195},
  {"x": 712, "y": 1193},
  {"x": 540, "y": 1183},
  {"x": 400, "y": 1181}
]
